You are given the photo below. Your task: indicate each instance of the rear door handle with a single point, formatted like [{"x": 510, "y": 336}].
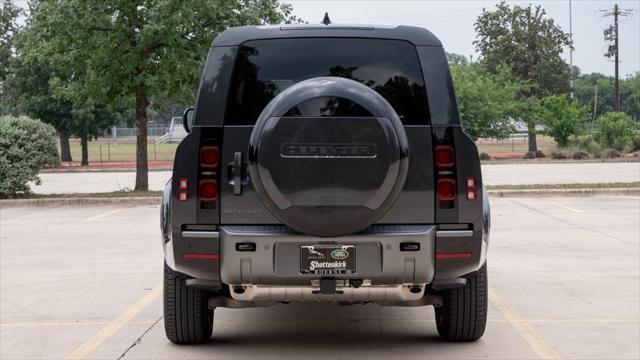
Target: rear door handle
[{"x": 237, "y": 173}]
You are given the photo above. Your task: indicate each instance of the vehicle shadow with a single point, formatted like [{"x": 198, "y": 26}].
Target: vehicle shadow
[{"x": 329, "y": 331}]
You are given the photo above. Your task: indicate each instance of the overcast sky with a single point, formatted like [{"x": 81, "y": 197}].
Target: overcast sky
[{"x": 452, "y": 22}]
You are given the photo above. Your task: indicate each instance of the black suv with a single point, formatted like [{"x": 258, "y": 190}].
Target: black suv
[{"x": 325, "y": 163}]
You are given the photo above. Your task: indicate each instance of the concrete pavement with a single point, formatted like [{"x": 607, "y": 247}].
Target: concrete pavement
[
  {"x": 493, "y": 174},
  {"x": 563, "y": 274}
]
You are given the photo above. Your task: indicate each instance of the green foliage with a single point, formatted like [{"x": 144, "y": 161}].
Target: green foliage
[
  {"x": 615, "y": 130},
  {"x": 585, "y": 90},
  {"x": 457, "y": 59},
  {"x": 9, "y": 13},
  {"x": 486, "y": 102},
  {"x": 531, "y": 44},
  {"x": 523, "y": 39},
  {"x": 25, "y": 146},
  {"x": 562, "y": 118},
  {"x": 630, "y": 96},
  {"x": 131, "y": 51}
]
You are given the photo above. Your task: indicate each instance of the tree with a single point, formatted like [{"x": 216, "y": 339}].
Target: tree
[
  {"x": 487, "y": 102},
  {"x": 137, "y": 49},
  {"x": 530, "y": 44},
  {"x": 8, "y": 30},
  {"x": 584, "y": 89},
  {"x": 457, "y": 59},
  {"x": 28, "y": 84},
  {"x": 562, "y": 118},
  {"x": 630, "y": 96},
  {"x": 45, "y": 89},
  {"x": 615, "y": 130}
]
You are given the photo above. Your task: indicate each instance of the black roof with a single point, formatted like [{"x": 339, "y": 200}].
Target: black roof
[{"x": 238, "y": 35}]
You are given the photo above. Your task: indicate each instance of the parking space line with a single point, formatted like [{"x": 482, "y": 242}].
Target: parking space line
[
  {"x": 104, "y": 214},
  {"x": 92, "y": 343},
  {"x": 565, "y": 207},
  {"x": 522, "y": 327}
]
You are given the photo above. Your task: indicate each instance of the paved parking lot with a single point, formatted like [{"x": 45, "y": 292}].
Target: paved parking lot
[
  {"x": 492, "y": 174},
  {"x": 85, "y": 282}
]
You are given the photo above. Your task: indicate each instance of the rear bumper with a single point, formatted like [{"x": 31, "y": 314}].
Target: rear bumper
[
  {"x": 269, "y": 271},
  {"x": 276, "y": 259}
]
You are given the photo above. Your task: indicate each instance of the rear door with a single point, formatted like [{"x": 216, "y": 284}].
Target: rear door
[{"x": 264, "y": 68}]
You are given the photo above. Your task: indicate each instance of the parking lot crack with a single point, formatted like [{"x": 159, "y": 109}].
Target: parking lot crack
[{"x": 139, "y": 339}]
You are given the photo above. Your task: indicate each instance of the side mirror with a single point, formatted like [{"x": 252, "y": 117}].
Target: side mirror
[{"x": 187, "y": 119}]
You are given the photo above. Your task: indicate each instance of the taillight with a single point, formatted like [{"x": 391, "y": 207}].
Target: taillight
[
  {"x": 446, "y": 189},
  {"x": 208, "y": 190},
  {"x": 444, "y": 156},
  {"x": 209, "y": 157},
  {"x": 183, "y": 186}
]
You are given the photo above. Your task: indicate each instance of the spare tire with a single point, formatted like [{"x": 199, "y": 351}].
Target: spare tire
[{"x": 328, "y": 175}]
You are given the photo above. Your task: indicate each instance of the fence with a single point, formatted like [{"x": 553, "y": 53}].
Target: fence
[{"x": 125, "y": 132}]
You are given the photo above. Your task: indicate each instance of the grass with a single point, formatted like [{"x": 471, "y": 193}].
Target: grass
[
  {"x": 516, "y": 145},
  {"x": 125, "y": 150},
  {"x": 616, "y": 185},
  {"x": 114, "y": 194}
]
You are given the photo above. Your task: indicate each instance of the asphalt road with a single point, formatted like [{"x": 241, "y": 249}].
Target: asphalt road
[
  {"x": 564, "y": 277},
  {"x": 493, "y": 174}
]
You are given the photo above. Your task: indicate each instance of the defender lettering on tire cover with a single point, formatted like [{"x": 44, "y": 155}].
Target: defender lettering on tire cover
[{"x": 328, "y": 176}]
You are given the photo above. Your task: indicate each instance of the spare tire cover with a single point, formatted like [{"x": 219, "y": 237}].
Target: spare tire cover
[{"x": 328, "y": 176}]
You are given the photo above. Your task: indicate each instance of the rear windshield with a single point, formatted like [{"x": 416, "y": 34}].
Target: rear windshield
[{"x": 264, "y": 68}]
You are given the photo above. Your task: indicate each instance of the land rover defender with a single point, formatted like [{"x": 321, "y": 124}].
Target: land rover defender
[{"x": 325, "y": 164}]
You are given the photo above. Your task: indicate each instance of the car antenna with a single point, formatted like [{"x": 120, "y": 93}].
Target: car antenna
[{"x": 326, "y": 19}]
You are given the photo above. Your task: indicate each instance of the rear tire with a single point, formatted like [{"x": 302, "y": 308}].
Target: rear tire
[
  {"x": 463, "y": 314},
  {"x": 187, "y": 318}
]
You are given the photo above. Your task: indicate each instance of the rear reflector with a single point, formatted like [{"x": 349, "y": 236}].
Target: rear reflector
[
  {"x": 201, "y": 256},
  {"x": 464, "y": 255},
  {"x": 471, "y": 182},
  {"x": 209, "y": 157},
  {"x": 446, "y": 189},
  {"x": 208, "y": 190},
  {"x": 472, "y": 195},
  {"x": 444, "y": 156},
  {"x": 182, "y": 196},
  {"x": 183, "y": 184}
]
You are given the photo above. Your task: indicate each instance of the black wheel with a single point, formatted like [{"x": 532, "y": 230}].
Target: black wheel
[
  {"x": 463, "y": 314},
  {"x": 187, "y": 318}
]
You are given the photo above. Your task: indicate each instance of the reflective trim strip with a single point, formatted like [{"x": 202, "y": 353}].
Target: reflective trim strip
[
  {"x": 454, "y": 233},
  {"x": 465, "y": 255},
  {"x": 201, "y": 256},
  {"x": 200, "y": 234}
]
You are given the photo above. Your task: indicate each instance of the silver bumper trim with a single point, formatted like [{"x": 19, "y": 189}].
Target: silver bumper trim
[
  {"x": 362, "y": 294},
  {"x": 200, "y": 234},
  {"x": 454, "y": 233}
]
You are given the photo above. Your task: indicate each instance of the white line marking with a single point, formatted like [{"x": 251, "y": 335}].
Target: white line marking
[
  {"x": 104, "y": 215},
  {"x": 565, "y": 207}
]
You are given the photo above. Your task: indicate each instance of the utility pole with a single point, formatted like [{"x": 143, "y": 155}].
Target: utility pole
[
  {"x": 570, "y": 51},
  {"x": 611, "y": 34}
]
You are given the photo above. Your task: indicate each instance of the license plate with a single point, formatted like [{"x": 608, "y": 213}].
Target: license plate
[{"x": 328, "y": 259}]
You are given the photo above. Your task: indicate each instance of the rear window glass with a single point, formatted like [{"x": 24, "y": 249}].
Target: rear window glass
[{"x": 264, "y": 68}]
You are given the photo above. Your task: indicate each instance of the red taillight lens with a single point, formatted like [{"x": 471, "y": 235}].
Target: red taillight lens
[
  {"x": 444, "y": 156},
  {"x": 182, "y": 196},
  {"x": 209, "y": 157},
  {"x": 208, "y": 190},
  {"x": 446, "y": 189}
]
